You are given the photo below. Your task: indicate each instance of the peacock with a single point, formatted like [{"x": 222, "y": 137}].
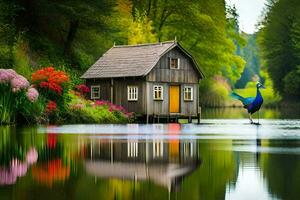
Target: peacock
[{"x": 252, "y": 104}]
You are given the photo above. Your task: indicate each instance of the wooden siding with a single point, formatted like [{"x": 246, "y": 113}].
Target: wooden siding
[
  {"x": 120, "y": 95},
  {"x": 120, "y": 92},
  {"x": 104, "y": 87},
  {"x": 161, "y": 107},
  {"x": 189, "y": 108},
  {"x": 157, "y": 107},
  {"x": 185, "y": 74}
]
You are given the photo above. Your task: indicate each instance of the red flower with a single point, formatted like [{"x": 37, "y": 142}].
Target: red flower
[
  {"x": 51, "y": 79},
  {"x": 51, "y": 106},
  {"x": 51, "y": 140},
  {"x": 83, "y": 89}
]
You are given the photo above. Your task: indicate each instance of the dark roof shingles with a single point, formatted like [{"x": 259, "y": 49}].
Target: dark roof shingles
[{"x": 129, "y": 60}]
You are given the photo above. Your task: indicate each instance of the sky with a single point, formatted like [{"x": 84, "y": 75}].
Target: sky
[{"x": 249, "y": 13}]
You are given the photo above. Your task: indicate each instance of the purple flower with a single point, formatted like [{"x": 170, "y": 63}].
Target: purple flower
[
  {"x": 18, "y": 168},
  {"x": 6, "y": 75},
  {"x": 32, "y": 156},
  {"x": 18, "y": 83},
  {"x": 6, "y": 177},
  {"x": 32, "y": 94}
]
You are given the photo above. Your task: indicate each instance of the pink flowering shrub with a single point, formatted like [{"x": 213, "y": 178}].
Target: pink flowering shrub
[
  {"x": 82, "y": 89},
  {"x": 32, "y": 94},
  {"x": 14, "y": 89},
  {"x": 6, "y": 75},
  {"x": 19, "y": 83},
  {"x": 81, "y": 110},
  {"x": 17, "y": 168},
  {"x": 112, "y": 107}
]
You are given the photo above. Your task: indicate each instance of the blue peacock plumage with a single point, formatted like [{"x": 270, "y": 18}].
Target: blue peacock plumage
[{"x": 252, "y": 104}]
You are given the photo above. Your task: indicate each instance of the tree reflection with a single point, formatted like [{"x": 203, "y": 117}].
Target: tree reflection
[
  {"x": 281, "y": 171},
  {"x": 74, "y": 166},
  {"x": 217, "y": 170}
]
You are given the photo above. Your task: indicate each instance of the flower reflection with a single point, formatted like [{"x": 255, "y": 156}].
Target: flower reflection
[
  {"x": 17, "y": 168},
  {"x": 51, "y": 172}
]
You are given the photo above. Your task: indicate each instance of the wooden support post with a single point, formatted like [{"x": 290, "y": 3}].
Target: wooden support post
[
  {"x": 147, "y": 119},
  {"x": 190, "y": 119},
  {"x": 157, "y": 118},
  {"x": 199, "y": 114},
  {"x": 112, "y": 90}
]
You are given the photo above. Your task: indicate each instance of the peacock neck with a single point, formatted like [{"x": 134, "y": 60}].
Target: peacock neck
[{"x": 258, "y": 94}]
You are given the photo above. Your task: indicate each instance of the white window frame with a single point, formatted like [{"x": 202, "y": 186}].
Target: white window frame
[
  {"x": 132, "y": 149},
  {"x": 132, "y": 93},
  {"x": 178, "y": 63},
  {"x": 158, "y": 148},
  {"x": 156, "y": 89},
  {"x": 185, "y": 90},
  {"x": 92, "y": 92}
]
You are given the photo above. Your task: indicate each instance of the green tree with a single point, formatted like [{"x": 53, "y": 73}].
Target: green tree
[{"x": 280, "y": 40}]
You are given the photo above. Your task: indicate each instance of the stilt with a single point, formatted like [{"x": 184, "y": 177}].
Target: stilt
[
  {"x": 190, "y": 119},
  {"x": 258, "y": 116},
  {"x": 199, "y": 115},
  {"x": 158, "y": 119},
  {"x": 250, "y": 118},
  {"x": 147, "y": 119}
]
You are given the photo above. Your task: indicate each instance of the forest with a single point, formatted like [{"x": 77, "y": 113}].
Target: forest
[{"x": 72, "y": 34}]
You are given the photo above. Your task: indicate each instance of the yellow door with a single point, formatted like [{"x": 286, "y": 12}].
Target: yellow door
[{"x": 174, "y": 99}]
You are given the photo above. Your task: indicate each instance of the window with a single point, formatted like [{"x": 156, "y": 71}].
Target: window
[
  {"x": 132, "y": 149},
  {"x": 158, "y": 92},
  {"x": 188, "y": 93},
  {"x": 174, "y": 63},
  {"x": 95, "y": 92},
  {"x": 158, "y": 148},
  {"x": 132, "y": 93}
]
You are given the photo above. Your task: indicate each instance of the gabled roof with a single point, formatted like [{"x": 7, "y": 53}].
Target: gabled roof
[{"x": 132, "y": 60}]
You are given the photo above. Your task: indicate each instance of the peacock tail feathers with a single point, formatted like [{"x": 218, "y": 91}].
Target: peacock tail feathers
[{"x": 236, "y": 96}]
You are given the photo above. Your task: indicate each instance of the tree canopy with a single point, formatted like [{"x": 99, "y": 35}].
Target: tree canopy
[{"x": 280, "y": 41}]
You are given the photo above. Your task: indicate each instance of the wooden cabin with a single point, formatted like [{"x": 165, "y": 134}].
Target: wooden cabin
[{"x": 159, "y": 80}]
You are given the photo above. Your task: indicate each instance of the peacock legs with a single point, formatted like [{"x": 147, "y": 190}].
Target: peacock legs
[{"x": 250, "y": 118}]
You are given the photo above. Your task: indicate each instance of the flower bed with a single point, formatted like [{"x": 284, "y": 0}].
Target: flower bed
[
  {"x": 17, "y": 96},
  {"x": 49, "y": 100},
  {"x": 81, "y": 110}
]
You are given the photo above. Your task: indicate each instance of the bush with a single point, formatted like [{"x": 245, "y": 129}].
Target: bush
[
  {"x": 53, "y": 86},
  {"x": 17, "y": 97},
  {"x": 214, "y": 93},
  {"x": 292, "y": 84},
  {"x": 80, "y": 110}
]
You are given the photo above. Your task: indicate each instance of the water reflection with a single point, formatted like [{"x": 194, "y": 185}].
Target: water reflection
[
  {"x": 163, "y": 163},
  {"x": 45, "y": 163}
]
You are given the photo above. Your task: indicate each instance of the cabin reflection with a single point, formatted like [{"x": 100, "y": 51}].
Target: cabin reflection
[{"x": 165, "y": 162}]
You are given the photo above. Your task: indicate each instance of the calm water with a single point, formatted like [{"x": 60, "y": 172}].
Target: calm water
[{"x": 219, "y": 159}]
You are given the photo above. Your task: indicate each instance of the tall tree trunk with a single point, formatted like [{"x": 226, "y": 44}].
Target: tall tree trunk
[{"x": 71, "y": 35}]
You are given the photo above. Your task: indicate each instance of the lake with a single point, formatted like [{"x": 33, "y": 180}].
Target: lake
[{"x": 224, "y": 157}]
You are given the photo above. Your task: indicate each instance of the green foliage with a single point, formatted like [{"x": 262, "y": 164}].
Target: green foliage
[
  {"x": 280, "y": 41},
  {"x": 7, "y": 107},
  {"x": 21, "y": 59},
  {"x": 80, "y": 110},
  {"x": 15, "y": 107},
  {"x": 292, "y": 83},
  {"x": 140, "y": 29},
  {"x": 74, "y": 34},
  {"x": 214, "y": 93},
  {"x": 251, "y": 55}
]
